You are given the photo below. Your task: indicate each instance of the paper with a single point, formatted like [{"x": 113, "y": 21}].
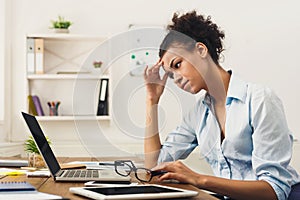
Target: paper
[
  {"x": 29, "y": 173},
  {"x": 38, "y": 174},
  {"x": 13, "y": 163}
]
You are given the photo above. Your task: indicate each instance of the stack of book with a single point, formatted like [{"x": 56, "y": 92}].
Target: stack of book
[{"x": 34, "y": 106}]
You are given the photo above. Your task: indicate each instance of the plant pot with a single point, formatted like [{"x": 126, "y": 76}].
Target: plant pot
[
  {"x": 61, "y": 30},
  {"x": 36, "y": 160}
]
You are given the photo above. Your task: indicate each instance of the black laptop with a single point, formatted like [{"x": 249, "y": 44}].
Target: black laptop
[{"x": 53, "y": 165}]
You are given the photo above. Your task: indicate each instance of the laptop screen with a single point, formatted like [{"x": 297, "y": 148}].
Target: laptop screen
[{"x": 42, "y": 143}]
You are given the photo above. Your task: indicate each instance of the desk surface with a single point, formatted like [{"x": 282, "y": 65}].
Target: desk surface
[{"x": 48, "y": 185}]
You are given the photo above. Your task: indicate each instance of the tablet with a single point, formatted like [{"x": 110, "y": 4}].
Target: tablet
[{"x": 149, "y": 191}]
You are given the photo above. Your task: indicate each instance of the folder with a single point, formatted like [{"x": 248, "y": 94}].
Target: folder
[
  {"x": 31, "y": 107},
  {"x": 30, "y": 56},
  {"x": 39, "y": 56},
  {"x": 38, "y": 106},
  {"x": 103, "y": 98}
]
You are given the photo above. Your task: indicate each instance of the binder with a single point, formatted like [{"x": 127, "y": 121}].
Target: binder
[
  {"x": 30, "y": 56},
  {"x": 103, "y": 98},
  {"x": 39, "y": 55},
  {"x": 31, "y": 107},
  {"x": 38, "y": 106}
]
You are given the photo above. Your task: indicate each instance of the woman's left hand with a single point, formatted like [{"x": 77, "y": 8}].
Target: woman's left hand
[{"x": 178, "y": 171}]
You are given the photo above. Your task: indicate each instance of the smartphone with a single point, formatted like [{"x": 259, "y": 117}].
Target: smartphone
[{"x": 107, "y": 183}]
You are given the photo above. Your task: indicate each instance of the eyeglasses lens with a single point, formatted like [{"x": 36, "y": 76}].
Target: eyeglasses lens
[
  {"x": 123, "y": 168},
  {"x": 143, "y": 174}
]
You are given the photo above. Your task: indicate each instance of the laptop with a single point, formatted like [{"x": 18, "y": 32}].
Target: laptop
[{"x": 56, "y": 171}]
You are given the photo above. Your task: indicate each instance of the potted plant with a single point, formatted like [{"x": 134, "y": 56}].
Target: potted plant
[
  {"x": 34, "y": 157},
  {"x": 61, "y": 25},
  {"x": 97, "y": 64}
]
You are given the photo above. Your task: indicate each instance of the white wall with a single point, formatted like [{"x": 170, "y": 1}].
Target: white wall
[
  {"x": 262, "y": 39},
  {"x": 2, "y": 31}
]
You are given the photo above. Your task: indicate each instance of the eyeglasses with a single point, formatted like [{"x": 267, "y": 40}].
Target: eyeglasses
[{"x": 125, "y": 167}]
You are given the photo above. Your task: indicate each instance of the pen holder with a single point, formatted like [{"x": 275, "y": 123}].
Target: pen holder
[
  {"x": 53, "y": 108},
  {"x": 53, "y": 111}
]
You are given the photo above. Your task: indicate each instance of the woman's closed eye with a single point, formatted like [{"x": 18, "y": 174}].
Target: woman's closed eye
[{"x": 176, "y": 65}]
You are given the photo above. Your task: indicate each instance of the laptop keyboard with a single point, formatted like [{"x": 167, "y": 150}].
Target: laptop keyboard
[{"x": 82, "y": 173}]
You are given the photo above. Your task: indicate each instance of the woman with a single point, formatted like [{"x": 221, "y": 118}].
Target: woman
[{"x": 239, "y": 127}]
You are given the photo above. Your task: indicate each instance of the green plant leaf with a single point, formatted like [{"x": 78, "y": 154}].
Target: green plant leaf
[
  {"x": 30, "y": 146},
  {"x": 61, "y": 23}
]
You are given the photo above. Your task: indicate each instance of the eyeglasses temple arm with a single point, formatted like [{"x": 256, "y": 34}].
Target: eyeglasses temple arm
[{"x": 157, "y": 173}]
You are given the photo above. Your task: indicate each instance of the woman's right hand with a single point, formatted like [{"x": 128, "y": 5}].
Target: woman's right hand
[{"x": 154, "y": 83}]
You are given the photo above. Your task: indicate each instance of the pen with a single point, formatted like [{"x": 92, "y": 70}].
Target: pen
[
  {"x": 57, "y": 104},
  {"x": 109, "y": 164},
  {"x": 15, "y": 173}
]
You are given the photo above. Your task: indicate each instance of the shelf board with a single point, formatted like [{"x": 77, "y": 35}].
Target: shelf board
[
  {"x": 66, "y": 36},
  {"x": 65, "y": 76},
  {"x": 72, "y": 118}
]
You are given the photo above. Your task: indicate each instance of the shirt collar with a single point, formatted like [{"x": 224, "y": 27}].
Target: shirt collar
[{"x": 237, "y": 89}]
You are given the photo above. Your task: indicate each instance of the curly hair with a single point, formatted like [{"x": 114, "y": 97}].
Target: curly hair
[{"x": 190, "y": 28}]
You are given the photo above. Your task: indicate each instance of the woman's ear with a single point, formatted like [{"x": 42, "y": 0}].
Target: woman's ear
[{"x": 201, "y": 49}]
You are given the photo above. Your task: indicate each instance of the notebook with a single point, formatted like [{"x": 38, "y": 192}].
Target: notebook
[
  {"x": 12, "y": 186},
  {"x": 11, "y": 190},
  {"x": 55, "y": 169}
]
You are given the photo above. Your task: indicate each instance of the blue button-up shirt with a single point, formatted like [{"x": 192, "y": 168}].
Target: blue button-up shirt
[{"x": 257, "y": 144}]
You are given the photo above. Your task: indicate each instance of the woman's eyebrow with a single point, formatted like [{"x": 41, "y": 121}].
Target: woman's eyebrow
[{"x": 171, "y": 63}]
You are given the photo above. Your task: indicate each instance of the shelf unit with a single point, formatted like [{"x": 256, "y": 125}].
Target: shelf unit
[
  {"x": 71, "y": 78},
  {"x": 68, "y": 68}
]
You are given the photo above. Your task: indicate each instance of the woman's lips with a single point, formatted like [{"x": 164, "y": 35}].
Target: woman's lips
[{"x": 185, "y": 85}]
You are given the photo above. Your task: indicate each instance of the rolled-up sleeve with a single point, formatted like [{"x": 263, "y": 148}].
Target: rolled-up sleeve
[{"x": 270, "y": 135}]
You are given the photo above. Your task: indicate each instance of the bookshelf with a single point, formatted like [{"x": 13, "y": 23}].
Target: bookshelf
[
  {"x": 66, "y": 68},
  {"x": 69, "y": 76}
]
